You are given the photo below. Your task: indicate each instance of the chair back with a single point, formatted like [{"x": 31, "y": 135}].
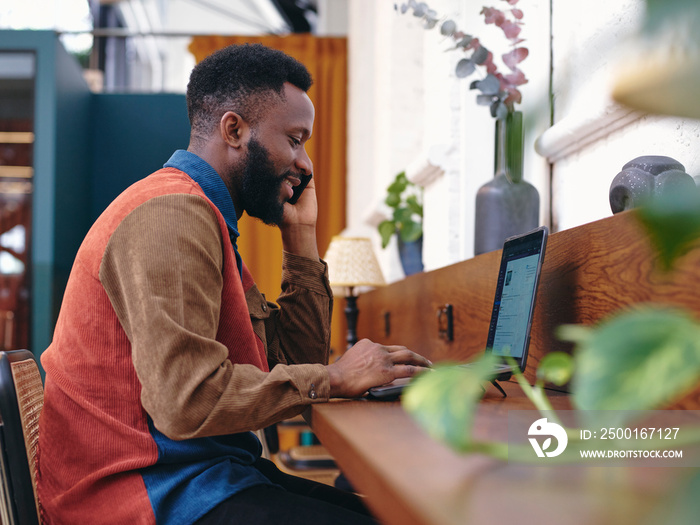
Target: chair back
[{"x": 21, "y": 401}]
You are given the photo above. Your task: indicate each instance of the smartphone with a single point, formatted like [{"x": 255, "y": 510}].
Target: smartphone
[{"x": 299, "y": 188}]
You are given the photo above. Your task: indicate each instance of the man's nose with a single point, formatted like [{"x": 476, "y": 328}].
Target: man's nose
[{"x": 304, "y": 163}]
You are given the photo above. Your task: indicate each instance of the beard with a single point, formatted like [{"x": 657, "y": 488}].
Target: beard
[{"x": 260, "y": 191}]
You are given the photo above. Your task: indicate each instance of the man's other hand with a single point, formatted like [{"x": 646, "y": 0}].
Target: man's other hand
[{"x": 369, "y": 364}]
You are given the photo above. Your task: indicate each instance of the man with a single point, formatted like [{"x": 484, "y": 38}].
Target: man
[{"x": 165, "y": 356}]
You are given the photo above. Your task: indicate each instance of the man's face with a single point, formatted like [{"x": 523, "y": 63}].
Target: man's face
[
  {"x": 276, "y": 158},
  {"x": 262, "y": 185}
]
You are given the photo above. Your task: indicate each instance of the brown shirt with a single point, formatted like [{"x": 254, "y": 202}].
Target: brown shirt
[{"x": 191, "y": 389}]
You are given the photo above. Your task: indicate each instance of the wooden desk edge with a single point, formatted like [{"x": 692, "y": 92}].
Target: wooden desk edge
[{"x": 338, "y": 425}]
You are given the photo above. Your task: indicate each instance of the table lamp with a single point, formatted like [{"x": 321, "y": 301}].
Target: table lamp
[{"x": 352, "y": 263}]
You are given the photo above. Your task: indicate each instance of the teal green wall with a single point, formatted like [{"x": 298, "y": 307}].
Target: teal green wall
[
  {"x": 88, "y": 148},
  {"x": 133, "y": 136},
  {"x": 60, "y": 167}
]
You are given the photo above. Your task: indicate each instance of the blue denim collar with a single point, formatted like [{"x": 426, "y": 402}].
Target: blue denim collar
[{"x": 213, "y": 187}]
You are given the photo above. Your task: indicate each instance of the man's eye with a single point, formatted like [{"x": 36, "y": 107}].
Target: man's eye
[{"x": 295, "y": 141}]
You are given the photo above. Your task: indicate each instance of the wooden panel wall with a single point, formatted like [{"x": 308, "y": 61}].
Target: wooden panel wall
[{"x": 589, "y": 272}]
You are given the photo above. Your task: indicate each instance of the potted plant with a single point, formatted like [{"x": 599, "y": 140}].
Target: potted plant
[{"x": 405, "y": 199}]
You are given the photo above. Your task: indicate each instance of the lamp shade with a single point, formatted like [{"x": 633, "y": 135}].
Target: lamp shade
[{"x": 351, "y": 262}]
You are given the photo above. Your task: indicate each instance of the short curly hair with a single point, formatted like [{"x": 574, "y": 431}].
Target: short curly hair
[{"x": 241, "y": 78}]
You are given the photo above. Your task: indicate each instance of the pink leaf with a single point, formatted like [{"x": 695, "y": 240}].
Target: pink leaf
[
  {"x": 493, "y": 16},
  {"x": 517, "y": 13},
  {"x": 474, "y": 44},
  {"x": 512, "y": 2},
  {"x": 516, "y": 56},
  {"x": 517, "y": 78},
  {"x": 511, "y": 29},
  {"x": 490, "y": 66},
  {"x": 514, "y": 97}
]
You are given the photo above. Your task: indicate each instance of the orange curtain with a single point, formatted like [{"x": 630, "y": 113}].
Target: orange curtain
[{"x": 261, "y": 245}]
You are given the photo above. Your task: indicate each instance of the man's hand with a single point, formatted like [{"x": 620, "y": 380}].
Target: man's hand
[
  {"x": 299, "y": 224},
  {"x": 369, "y": 364}
]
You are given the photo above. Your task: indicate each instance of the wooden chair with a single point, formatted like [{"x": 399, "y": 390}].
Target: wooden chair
[{"x": 21, "y": 401}]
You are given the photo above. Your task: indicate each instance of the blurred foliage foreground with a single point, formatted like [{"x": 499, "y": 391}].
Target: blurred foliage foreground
[{"x": 640, "y": 359}]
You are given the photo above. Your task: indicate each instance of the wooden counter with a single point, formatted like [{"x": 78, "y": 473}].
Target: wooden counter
[
  {"x": 410, "y": 479},
  {"x": 589, "y": 273}
]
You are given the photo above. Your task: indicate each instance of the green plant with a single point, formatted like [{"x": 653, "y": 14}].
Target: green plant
[
  {"x": 405, "y": 199},
  {"x": 640, "y": 359}
]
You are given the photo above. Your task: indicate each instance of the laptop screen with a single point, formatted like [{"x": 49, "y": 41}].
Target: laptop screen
[{"x": 511, "y": 317}]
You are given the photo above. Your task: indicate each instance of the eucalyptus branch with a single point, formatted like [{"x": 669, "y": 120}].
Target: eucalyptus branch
[{"x": 498, "y": 90}]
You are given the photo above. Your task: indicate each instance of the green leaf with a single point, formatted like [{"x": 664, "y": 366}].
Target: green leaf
[
  {"x": 672, "y": 221},
  {"x": 411, "y": 231},
  {"x": 400, "y": 184},
  {"x": 638, "y": 360},
  {"x": 386, "y": 230},
  {"x": 403, "y": 216},
  {"x": 414, "y": 205},
  {"x": 575, "y": 333},
  {"x": 444, "y": 400},
  {"x": 556, "y": 367},
  {"x": 393, "y": 200},
  {"x": 397, "y": 187}
]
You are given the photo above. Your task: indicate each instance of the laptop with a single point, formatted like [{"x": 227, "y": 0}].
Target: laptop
[{"x": 512, "y": 310}]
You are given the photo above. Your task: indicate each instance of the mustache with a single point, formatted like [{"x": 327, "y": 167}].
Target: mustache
[{"x": 290, "y": 173}]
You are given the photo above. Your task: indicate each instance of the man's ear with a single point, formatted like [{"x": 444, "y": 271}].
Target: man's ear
[{"x": 233, "y": 129}]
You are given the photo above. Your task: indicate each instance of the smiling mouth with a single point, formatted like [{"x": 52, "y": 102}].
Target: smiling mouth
[
  {"x": 292, "y": 181},
  {"x": 289, "y": 183}
]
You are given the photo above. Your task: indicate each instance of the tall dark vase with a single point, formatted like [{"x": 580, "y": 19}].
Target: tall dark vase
[
  {"x": 506, "y": 205},
  {"x": 411, "y": 256}
]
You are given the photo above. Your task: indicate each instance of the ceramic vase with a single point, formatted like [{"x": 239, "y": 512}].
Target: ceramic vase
[
  {"x": 411, "y": 256},
  {"x": 507, "y": 205}
]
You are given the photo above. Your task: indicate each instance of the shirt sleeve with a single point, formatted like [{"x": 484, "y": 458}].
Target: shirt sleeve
[
  {"x": 299, "y": 331},
  {"x": 162, "y": 271}
]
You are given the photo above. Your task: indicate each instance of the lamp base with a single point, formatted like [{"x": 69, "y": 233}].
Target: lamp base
[{"x": 351, "y": 313}]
